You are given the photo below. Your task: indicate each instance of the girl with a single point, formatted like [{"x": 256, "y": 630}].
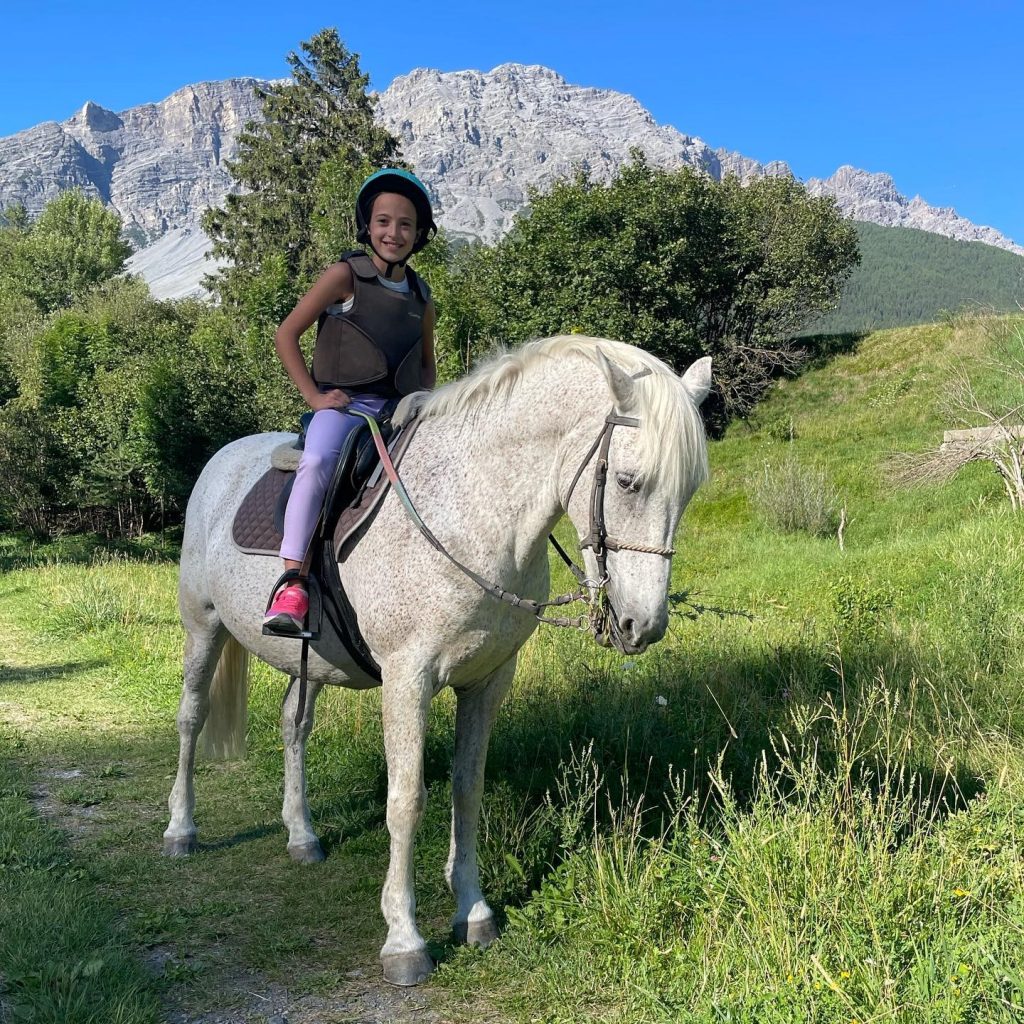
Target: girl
[{"x": 374, "y": 343}]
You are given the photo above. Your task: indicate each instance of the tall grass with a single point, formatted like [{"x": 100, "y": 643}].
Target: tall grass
[
  {"x": 110, "y": 591},
  {"x": 792, "y": 497},
  {"x": 850, "y": 884}
]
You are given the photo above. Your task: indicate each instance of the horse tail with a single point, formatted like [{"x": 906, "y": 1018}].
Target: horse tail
[{"x": 223, "y": 735}]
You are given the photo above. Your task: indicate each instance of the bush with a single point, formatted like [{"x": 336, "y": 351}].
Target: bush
[
  {"x": 794, "y": 498},
  {"x": 114, "y": 406},
  {"x": 672, "y": 261},
  {"x": 34, "y": 471}
]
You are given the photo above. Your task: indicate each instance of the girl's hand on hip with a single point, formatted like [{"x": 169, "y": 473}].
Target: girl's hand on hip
[{"x": 334, "y": 399}]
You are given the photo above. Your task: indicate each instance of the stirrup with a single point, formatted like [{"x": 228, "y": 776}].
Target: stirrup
[{"x": 311, "y": 632}]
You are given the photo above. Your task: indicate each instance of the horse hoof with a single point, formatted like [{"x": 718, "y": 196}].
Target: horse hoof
[
  {"x": 179, "y": 846},
  {"x": 308, "y": 853},
  {"x": 406, "y": 969},
  {"x": 476, "y": 933}
]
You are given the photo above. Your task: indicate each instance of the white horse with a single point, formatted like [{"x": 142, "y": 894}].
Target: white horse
[{"x": 499, "y": 457}]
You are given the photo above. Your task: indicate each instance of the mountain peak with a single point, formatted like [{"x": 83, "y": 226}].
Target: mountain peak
[
  {"x": 873, "y": 197},
  {"x": 96, "y": 118}
]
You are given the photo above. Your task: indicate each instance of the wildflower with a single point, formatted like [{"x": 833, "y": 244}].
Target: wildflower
[
  {"x": 844, "y": 974},
  {"x": 662, "y": 702},
  {"x": 961, "y": 893}
]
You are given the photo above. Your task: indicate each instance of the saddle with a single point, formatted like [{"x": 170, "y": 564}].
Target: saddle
[{"x": 354, "y": 495}]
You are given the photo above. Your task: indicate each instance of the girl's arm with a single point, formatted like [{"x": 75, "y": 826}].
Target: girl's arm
[
  {"x": 333, "y": 285},
  {"x": 428, "y": 366}
]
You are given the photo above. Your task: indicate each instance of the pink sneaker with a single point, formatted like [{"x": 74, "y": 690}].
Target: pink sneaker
[{"x": 287, "y": 613}]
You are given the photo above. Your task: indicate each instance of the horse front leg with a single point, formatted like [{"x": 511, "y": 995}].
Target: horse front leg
[
  {"x": 303, "y": 843},
  {"x": 404, "y": 707},
  {"x": 476, "y": 710}
]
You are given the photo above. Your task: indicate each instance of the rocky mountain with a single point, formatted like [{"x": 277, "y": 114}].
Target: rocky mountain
[
  {"x": 159, "y": 165},
  {"x": 873, "y": 198},
  {"x": 478, "y": 140}
]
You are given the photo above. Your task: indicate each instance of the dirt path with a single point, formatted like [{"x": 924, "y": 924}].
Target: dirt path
[
  {"x": 362, "y": 1002},
  {"x": 246, "y": 997},
  {"x": 251, "y": 997}
]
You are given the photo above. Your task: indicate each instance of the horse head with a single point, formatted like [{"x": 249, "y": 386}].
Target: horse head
[{"x": 648, "y": 461}]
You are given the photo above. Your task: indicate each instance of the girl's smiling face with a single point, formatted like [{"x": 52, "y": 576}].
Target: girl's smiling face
[{"x": 392, "y": 226}]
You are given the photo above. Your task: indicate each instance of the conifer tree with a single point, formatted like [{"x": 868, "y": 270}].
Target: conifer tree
[{"x": 299, "y": 170}]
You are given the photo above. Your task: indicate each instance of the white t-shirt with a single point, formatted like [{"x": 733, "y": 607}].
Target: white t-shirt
[{"x": 343, "y": 307}]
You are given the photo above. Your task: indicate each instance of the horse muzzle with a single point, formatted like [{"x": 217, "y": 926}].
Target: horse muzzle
[{"x": 630, "y": 635}]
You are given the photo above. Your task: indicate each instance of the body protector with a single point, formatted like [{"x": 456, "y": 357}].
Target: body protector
[{"x": 376, "y": 347}]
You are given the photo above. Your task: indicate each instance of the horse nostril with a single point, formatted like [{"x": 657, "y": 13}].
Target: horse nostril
[{"x": 628, "y": 628}]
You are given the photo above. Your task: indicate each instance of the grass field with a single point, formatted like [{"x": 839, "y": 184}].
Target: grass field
[{"x": 803, "y": 805}]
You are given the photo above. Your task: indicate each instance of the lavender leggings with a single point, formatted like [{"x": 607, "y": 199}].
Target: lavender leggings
[{"x": 324, "y": 438}]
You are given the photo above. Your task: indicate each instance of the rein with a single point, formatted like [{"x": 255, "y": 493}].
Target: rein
[{"x": 593, "y": 593}]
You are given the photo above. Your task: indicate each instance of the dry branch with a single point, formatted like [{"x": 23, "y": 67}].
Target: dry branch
[{"x": 1000, "y": 444}]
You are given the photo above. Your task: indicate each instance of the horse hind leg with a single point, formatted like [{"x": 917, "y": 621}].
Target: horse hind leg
[
  {"x": 473, "y": 922},
  {"x": 303, "y": 843},
  {"x": 213, "y": 660}
]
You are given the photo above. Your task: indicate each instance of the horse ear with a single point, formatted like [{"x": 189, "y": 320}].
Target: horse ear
[
  {"x": 618, "y": 380},
  {"x": 697, "y": 380}
]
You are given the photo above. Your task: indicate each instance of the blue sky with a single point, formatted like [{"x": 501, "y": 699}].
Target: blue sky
[{"x": 931, "y": 93}]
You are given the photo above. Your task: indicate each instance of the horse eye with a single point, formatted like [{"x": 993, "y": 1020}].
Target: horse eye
[{"x": 626, "y": 481}]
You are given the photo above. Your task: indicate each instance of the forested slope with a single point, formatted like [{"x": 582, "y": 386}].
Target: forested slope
[{"x": 910, "y": 277}]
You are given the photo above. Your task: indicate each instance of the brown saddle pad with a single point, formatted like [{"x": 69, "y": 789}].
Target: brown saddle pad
[{"x": 254, "y": 529}]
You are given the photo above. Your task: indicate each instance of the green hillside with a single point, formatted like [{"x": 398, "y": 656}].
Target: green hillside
[{"x": 910, "y": 277}]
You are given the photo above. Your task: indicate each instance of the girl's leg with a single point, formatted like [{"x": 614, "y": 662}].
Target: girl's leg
[{"x": 324, "y": 438}]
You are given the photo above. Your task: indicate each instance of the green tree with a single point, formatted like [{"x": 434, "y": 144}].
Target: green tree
[
  {"x": 299, "y": 170},
  {"x": 672, "y": 261},
  {"x": 74, "y": 245},
  {"x": 14, "y": 216}
]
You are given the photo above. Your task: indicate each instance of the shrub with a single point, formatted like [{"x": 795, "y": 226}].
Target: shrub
[
  {"x": 792, "y": 497},
  {"x": 861, "y": 607}
]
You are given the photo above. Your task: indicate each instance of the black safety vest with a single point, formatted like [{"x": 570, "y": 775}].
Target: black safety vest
[{"x": 376, "y": 347}]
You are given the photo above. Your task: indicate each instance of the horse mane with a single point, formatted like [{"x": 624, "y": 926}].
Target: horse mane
[{"x": 672, "y": 445}]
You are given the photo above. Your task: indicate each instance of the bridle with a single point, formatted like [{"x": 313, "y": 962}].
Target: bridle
[
  {"x": 593, "y": 593},
  {"x": 599, "y": 621}
]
